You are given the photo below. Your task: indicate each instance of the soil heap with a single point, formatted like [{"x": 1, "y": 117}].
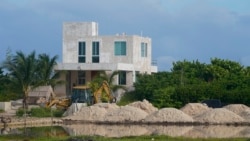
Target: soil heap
[
  {"x": 144, "y": 105},
  {"x": 94, "y": 113},
  {"x": 218, "y": 116},
  {"x": 125, "y": 114},
  {"x": 194, "y": 109},
  {"x": 168, "y": 115},
  {"x": 240, "y": 109}
]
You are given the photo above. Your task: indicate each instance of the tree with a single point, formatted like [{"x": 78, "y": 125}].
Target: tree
[
  {"x": 45, "y": 73},
  {"x": 103, "y": 76},
  {"x": 22, "y": 70}
]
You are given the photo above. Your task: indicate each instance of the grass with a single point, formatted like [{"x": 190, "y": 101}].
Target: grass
[{"x": 41, "y": 112}]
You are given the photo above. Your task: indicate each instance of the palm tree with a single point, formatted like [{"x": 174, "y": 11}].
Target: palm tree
[
  {"x": 109, "y": 78},
  {"x": 46, "y": 74},
  {"x": 22, "y": 70}
]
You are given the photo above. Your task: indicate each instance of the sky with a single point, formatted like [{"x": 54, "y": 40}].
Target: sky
[{"x": 179, "y": 29}]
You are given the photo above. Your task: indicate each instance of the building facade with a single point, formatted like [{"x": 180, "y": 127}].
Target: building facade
[{"x": 85, "y": 53}]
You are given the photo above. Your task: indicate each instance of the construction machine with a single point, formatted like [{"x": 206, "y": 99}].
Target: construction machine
[
  {"x": 103, "y": 93},
  {"x": 60, "y": 103},
  {"x": 82, "y": 94}
]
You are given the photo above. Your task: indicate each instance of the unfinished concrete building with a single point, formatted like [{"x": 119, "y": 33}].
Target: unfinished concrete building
[{"x": 85, "y": 53}]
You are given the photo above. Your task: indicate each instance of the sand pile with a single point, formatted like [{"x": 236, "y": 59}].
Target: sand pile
[
  {"x": 92, "y": 113},
  {"x": 168, "y": 115},
  {"x": 144, "y": 105},
  {"x": 145, "y": 112},
  {"x": 237, "y": 108},
  {"x": 246, "y": 115},
  {"x": 125, "y": 114},
  {"x": 218, "y": 116},
  {"x": 194, "y": 109},
  {"x": 240, "y": 109}
]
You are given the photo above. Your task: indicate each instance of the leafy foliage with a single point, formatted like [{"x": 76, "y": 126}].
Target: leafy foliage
[
  {"x": 41, "y": 112},
  {"x": 194, "y": 82},
  {"x": 25, "y": 72}
]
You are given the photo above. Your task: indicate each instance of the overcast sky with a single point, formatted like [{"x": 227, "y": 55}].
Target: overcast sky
[{"x": 180, "y": 29}]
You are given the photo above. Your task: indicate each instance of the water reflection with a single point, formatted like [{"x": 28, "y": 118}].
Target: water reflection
[
  {"x": 132, "y": 130},
  {"x": 44, "y": 131},
  {"x": 174, "y": 131}
]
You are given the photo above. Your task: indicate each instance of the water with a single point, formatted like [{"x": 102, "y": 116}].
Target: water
[{"x": 133, "y": 130}]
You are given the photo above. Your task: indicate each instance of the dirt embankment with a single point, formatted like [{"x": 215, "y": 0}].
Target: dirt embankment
[{"x": 145, "y": 112}]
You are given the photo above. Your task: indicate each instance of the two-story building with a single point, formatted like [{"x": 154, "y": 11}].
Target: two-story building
[{"x": 85, "y": 53}]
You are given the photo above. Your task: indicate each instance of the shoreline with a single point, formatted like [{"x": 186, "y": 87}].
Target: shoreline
[{"x": 37, "y": 121}]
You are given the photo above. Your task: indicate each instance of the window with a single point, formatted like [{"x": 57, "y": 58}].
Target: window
[
  {"x": 122, "y": 78},
  {"x": 95, "y": 52},
  {"x": 144, "y": 49},
  {"x": 81, "y": 77},
  {"x": 81, "y": 52},
  {"x": 120, "y": 48}
]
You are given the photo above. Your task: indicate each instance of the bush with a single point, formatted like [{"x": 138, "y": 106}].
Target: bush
[
  {"x": 46, "y": 112},
  {"x": 41, "y": 112},
  {"x": 127, "y": 98}
]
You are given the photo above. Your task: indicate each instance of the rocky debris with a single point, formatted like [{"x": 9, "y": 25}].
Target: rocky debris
[
  {"x": 169, "y": 115},
  {"x": 125, "y": 114},
  {"x": 194, "y": 109},
  {"x": 218, "y": 116},
  {"x": 144, "y": 105}
]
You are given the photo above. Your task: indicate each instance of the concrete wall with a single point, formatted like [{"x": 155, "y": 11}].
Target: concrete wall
[
  {"x": 72, "y": 31},
  {"x": 5, "y": 106}
]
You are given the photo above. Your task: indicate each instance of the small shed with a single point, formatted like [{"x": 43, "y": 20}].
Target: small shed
[{"x": 41, "y": 92}]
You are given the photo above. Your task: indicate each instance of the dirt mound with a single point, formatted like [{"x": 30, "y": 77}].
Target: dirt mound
[
  {"x": 237, "y": 108},
  {"x": 144, "y": 105},
  {"x": 194, "y": 109},
  {"x": 168, "y": 115},
  {"x": 218, "y": 116},
  {"x": 125, "y": 114},
  {"x": 107, "y": 106},
  {"x": 92, "y": 113},
  {"x": 74, "y": 107},
  {"x": 246, "y": 115}
]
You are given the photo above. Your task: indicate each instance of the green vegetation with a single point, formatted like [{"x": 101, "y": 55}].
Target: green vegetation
[
  {"x": 189, "y": 82},
  {"x": 25, "y": 72},
  {"x": 41, "y": 112},
  {"x": 99, "y": 138}
]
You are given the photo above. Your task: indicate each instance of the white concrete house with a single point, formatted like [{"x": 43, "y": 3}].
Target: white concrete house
[{"x": 85, "y": 53}]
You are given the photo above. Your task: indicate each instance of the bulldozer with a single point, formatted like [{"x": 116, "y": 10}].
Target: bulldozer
[{"x": 83, "y": 94}]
